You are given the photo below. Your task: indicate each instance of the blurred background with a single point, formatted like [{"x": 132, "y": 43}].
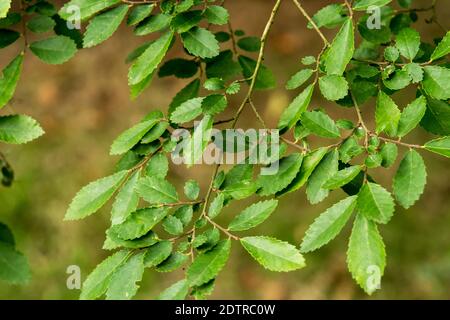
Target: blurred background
[{"x": 84, "y": 104}]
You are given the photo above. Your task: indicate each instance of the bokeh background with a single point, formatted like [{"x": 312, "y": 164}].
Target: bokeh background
[{"x": 83, "y": 105}]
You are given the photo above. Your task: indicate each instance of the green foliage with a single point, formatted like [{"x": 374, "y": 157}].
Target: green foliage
[{"x": 154, "y": 224}]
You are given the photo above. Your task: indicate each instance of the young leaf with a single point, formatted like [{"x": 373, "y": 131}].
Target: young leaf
[
  {"x": 436, "y": 82},
  {"x": 157, "y": 190},
  {"x": 320, "y": 124},
  {"x": 366, "y": 256},
  {"x": 191, "y": 189},
  {"x": 443, "y": 48},
  {"x": 150, "y": 59},
  {"x": 411, "y": 116},
  {"x": 187, "y": 111},
  {"x": 93, "y": 196},
  {"x": 414, "y": 71},
  {"x": 200, "y": 42},
  {"x": 5, "y": 5},
  {"x": 54, "y": 50},
  {"x": 341, "y": 51},
  {"x": 157, "y": 253},
  {"x": 328, "y": 225},
  {"x": 126, "y": 201},
  {"x": 139, "y": 13},
  {"x": 139, "y": 223},
  {"x": 13, "y": 265},
  {"x": 129, "y": 138},
  {"x": 333, "y": 87},
  {"x": 18, "y": 129},
  {"x": 252, "y": 216},
  {"x": 217, "y": 15},
  {"x": 86, "y": 8},
  {"x": 375, "y": 203},
  {"x": 387, "y": 115},
  {"x": 440, "y": 146},
  {"x": 208, "y": 265},
  {"x": 408, "y": 43},
  {"x": 273, "y": 254},
  {"x": 103, "y": 26},
  {"x": 98, "y": 280},
  {"x": 298, "y": 79},
  {"x": 327, "y": 168},
  {"x": 9, "y": 79},
  {"x": 293, "y": 112},
  {"x": 342, "y": 177},
  {"x": 287, "y": 171},
  {"x": 410, "y": 179},
  {"x": 177, "y": 291},
  {"x": 122, "y": 285}
]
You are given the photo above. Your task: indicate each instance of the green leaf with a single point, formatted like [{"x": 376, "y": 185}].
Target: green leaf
[
  {"x": 150, "y": 59},
  {"x": 152, "y": 24},
  {"x": 415, "y": 72},
  {"x": 214, "y": 84},
  {"x": 443, "y": 48},
  {"x": 251, "y": 44},
  {"x": 54, "y": 50},
  {"x": 388, "y": 152},
  {"x": 366, "y": 256},
  {"x": 191, "y": 189},
  {"x": 363, "y": 5},
  {"x": 216, "y": 206},
  {"x": 411, "y": 116},
  {"x": 387, "y": 115},
  {"x": 333, "y": 87},
  {"x": 127, "y": 200},
  {"x": 198, "y": 141},
  {"x": 5, "y": 5},
  {"x": 273, "y": 254},
  {"x": 113, "y": 241},
  {"x": 200, "y": 43},
  {"x": 186, "y": 20},
  {"x": 103, "y": 26},
  {"x": 391, "y": 54},
  {"x": 129, "y": 138},
  {"x": 139, "y": 13},
  {"x": 19, "y": 129},
  {"x": 310, "y": 162},
  {"x": 173, "y": 225},
  {"x": 328, "y": 225},
  {"x": 122, "y": 285},
  {"x": 177, "y": 291},
  {"x": 87, "y": 7},
  {"x": 320, "y": 124},
  {"x": 408, "y": 43},
  {"x": 158, "y": 166},
  {"x": 157, "y": 253},
  {"x": 13, "y": 265},
  {"x": 327, "y": 167},
  {"x": 173, "y": 262},
  {"x": 329, "y": 16},
  {"x": 375, "y": 203},
  {"x": 156, "y": 132},
  {"x": 341, "y": 51},
  {"x": 41, "y": 24},
  {"x": 252, "y": 216},
  {"x": 208, "y": 265},
  {"x": 180, "y": 68},
  {"x": 410, "y": 179},
  {"x": 217, "y": 15},
  {"x": 437, "y": 117},
  {"x": 299, "y": 78},
  {"x": 98, "y": 280},
  {"x": 190, "y": 91},
  {"x": 187, "y": 111},
  {"x": 436, "y": 82},
  {"x": 293, "y": 112},
  {"x": 8, "y": 37},
  {"x": 214, "y": 104},
  {"x": 287, "y": 171},
  {"x": 342, "y": 177},
  {"x": 223, "y": 66},
  {"x": 139, "y": 223},
  {"x": 440, "y": 146},
  {"x": 401, "y": 79},
  {"x": 155, "y": 189},
  {"x": 9, "y": 79},
  {"x": 265, "y": 79}
]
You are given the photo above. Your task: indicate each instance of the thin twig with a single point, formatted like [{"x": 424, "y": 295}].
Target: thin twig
[{"x": 306, "y": 15}]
